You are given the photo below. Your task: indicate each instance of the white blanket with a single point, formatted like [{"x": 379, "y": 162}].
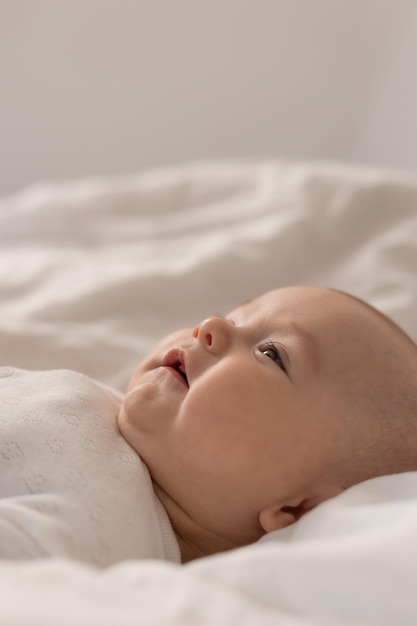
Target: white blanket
[{"x": 92, "y": 273}]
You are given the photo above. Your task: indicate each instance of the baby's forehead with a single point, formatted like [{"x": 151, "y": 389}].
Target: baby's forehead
[
  {"x": 306, "y": 299},
  {"x": 290, "y": 300},
  {"x": 326, "y": 314},
  {"x": 396, "y": 332},
  {"x": 313, "y": 305}
]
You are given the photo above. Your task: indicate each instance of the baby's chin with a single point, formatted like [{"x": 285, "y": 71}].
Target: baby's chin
[
  {"x": 127, "y": 429},
  {"x": 122, "y": 422},
  {"x": 128, "y": 417},
  {"x": 134, "y": 416}
]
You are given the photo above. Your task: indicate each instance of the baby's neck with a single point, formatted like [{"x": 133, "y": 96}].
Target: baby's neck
[{"x": 194, "y": 540}]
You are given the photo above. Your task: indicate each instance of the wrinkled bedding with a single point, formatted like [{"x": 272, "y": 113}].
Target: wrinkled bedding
[{"x": 93, "y": 272}]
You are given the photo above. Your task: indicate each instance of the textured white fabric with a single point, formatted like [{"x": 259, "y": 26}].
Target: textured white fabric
[
  {"x": 351, "y": 562},
  {"x": 70, "y": 485}
]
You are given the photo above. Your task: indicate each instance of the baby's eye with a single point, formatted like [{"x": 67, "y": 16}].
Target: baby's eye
[{"x": 271, "y": 351}]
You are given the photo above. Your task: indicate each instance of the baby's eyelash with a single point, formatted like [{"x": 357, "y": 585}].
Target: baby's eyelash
[{"x": 277, "y": 355}]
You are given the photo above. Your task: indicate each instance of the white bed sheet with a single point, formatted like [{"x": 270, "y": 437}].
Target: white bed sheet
[{"x": 92, "y": 273}]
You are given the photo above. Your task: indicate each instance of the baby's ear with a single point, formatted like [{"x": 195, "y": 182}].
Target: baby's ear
[{"x": 276, "y": 517}]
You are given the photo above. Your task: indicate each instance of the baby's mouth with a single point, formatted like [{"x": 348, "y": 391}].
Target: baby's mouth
[
  {"x": 179, "y": 367},
  {"x": 174, "y": 360}
]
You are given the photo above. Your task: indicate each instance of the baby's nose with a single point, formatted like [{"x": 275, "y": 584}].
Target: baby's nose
[{"x": 214, "y": 333}]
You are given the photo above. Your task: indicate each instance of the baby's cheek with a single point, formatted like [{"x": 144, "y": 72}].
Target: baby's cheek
[{"x": 207, "y": 419}]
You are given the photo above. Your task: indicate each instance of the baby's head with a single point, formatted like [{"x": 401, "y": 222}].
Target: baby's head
[{"x": 248, "y": 421}]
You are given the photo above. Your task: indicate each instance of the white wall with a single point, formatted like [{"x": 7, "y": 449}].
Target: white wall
[
  {"x": 390, "y": 131},
  {"x": 108, "y": 86}
]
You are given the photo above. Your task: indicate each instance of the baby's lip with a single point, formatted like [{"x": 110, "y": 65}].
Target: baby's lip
[{"x": 175, "y": 360}]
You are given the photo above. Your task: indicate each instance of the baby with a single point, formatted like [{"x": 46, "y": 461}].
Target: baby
[
  {"x": 249, "y": 421},
  {"x": 231, "y": 430}
]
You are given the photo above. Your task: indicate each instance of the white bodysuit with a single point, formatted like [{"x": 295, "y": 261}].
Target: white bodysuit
[{"x": 70, "y": 485}]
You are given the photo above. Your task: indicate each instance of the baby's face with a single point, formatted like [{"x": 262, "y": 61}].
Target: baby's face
[{"x": 251, "y": 430}]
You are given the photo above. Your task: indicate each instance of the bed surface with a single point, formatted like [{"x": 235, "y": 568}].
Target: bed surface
[{"x": 93, "y": 272}]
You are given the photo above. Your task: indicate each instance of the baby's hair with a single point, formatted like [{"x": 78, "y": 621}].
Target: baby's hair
[
  {"x": 381, "y": 315},
  {"x": 383, "y": 410}
]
